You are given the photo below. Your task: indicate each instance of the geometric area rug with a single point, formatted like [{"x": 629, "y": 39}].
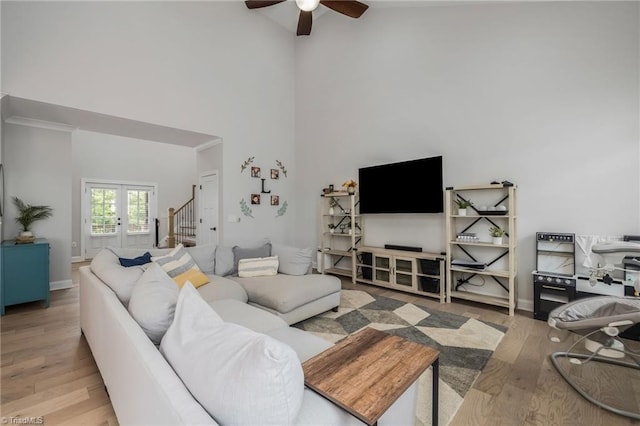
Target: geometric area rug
[{"x": 465, "y": 344}]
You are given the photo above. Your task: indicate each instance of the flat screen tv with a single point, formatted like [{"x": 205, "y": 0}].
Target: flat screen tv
[{"x": 413, "y": 186}]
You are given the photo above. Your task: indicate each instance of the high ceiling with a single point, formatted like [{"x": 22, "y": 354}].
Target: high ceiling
[{"x": 42, "y": 114}]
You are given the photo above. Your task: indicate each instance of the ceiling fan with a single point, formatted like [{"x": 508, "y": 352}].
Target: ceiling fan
[{"x": 350, "y": 8}]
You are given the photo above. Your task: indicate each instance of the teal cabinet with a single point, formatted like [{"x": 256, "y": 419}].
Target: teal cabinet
[{"x": 24, "y": 272}]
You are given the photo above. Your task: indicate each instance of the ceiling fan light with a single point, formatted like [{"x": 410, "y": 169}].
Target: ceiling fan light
[{"x": 307, "y": 5}]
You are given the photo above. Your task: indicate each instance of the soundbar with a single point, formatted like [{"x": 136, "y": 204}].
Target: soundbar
[{"x": 405, "y": 248}]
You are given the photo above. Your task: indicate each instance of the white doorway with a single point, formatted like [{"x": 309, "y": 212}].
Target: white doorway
[
  {"x": 208, "y": 208},
  {"x": 117, "y": 214}
]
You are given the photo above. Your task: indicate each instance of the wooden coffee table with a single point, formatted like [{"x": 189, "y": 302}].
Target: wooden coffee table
[{"x": 368, "y": 371}]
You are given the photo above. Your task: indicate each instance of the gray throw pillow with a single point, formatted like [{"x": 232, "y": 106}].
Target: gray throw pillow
[
  {"x": 292, "y": 260},
  {"x": 249, "y": 253},
  {"x": 224, "y": 261},
  {"x": 204, "y": 256},
  {"x": 153, "y": 302}
]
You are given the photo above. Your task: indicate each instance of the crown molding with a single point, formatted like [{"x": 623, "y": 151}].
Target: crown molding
[
  {"x": 208, "y": 144},
  {"x": 30, "y": 122}
]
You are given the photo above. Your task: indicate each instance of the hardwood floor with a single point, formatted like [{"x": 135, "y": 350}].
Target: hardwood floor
[
  {"x": 47, "y": 370},
  {"x": 519, "y": 385}
]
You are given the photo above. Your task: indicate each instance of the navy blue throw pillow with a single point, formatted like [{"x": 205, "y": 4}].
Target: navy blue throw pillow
[{"x": 140, "y": 260}]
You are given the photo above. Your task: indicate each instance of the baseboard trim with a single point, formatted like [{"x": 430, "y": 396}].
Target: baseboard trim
[
  {"x": 77, "y": 259},
  {"x": 525, "y": 305},
  {"x": 60, "y": 285}
]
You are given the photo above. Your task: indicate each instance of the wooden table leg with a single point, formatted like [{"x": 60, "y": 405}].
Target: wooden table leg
[{"x": 434, "y": 401}]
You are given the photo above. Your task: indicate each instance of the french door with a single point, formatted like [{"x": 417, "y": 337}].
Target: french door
[{"x": 118, "y": 215}]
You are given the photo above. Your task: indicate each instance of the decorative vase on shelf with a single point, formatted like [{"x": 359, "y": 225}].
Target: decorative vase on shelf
[
  {"x": 497, "y": 240},
  {"x": 351, "y": 190},
  {"x": 462, "y": 212},
  {"x": 331, "y": 211}
]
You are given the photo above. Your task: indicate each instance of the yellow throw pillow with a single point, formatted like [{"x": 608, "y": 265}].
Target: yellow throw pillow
[{"x": 196, "y": 277}]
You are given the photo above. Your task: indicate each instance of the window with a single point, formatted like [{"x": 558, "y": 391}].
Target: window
[
  {"x": 103, "y": 211},
  {"x": 137, "y": 211}
]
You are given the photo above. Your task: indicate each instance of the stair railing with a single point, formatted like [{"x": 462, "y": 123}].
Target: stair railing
[{"x": 182, "y": 221}]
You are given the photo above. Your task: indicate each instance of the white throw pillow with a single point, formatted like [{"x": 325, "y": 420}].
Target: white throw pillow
[
  {"x": 106, "y": 265},
  {"x": 259, "y": 267},
  {"x": 153, "y": 302},
  {"x": 293, "y": 260},
  {"x": 239, "y": 376}
]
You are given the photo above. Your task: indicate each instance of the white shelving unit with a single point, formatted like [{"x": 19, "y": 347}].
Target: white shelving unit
[
  {"x": 337, "y": 248},
  {"x": 494, "y": 280}
]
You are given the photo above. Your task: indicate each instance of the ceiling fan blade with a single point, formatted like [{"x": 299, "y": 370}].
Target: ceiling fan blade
[
  {"x": 256, "y": 4},
  {"x": 304, "y": 23},
  {"x": 353, "y": 9}
]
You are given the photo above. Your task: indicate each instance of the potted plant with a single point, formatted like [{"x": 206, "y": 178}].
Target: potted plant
[
  {"x": 332, "y": 228},
  {"x": 462, "y": 206},
  {"x": 496, "y": 232},
  {"x": 351, "y": 186},
  {"x": 27, "y": 214}
]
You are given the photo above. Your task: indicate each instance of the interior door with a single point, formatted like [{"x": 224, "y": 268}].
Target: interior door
[
  {"x": 208, "y": 232},
  {"x": 118, "y": 215}
]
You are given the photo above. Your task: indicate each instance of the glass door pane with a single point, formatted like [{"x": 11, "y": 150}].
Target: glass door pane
[
  {"x": 138, "y": 212},
  {"x": 104, "y": 207}
]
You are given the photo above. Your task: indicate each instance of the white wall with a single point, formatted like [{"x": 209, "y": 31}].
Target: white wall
[
  {"x": 38, "y": 165},
  {"x": 544, "y": 95},
  {"x": 115, "y": 158},
  {"x": 211, "y": 67}
]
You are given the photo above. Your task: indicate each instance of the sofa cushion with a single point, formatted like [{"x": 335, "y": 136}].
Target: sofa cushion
[
  {"x": 120, "y": 279},
  {"x": 263, "y": 250},
  {"x": 305, "y": 344},
  {"x": 205, "y": 257},
  {"x": 292, "y": 260},
  {"x": 238, "y": 376},
  {"x": 181, "y": 267},
  {"x": 136, "y": 261},
  {"x": 131, "y": 252},
  {"x": 284, "y": 293},
  {"x": 153, "y": 302},
  {"x": 224, "y": 261},
  {"x": 258, "y": 267},
  {"x": 248, "y": 316},
  {"x": 222, "y": 288}
]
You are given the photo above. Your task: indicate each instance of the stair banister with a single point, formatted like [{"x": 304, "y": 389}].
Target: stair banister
[{"x": 181, "y": 219}]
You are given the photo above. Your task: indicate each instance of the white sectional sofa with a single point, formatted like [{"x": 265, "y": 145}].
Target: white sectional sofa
[{"x": 146, "y": 390}]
